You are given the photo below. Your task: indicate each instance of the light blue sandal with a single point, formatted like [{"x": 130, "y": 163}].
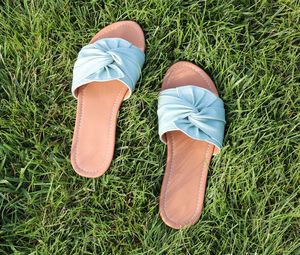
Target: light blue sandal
[
  {"x": 105, "y": 74},
  {"x": 191, "y": 121}
]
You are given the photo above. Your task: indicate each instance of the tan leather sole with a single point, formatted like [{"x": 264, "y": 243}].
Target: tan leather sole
[
  {"x": 184, "y": 183},
  {"x": 97, "y": 110}
]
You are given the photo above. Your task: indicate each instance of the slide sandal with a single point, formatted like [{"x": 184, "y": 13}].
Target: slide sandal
[
  {"x": 105, "y": 73},
  {"x": 191, "y": 122}
]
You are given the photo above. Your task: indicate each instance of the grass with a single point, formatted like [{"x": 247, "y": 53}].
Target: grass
[{"x": 252, "y": 51}]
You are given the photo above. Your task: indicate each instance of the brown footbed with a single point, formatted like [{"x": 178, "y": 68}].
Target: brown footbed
[
  {"x": 97, "y": 110},
  {"x": 184, "y": 182}
]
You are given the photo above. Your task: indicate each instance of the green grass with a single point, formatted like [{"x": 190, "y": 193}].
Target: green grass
[{"x": 252, "y": 51}]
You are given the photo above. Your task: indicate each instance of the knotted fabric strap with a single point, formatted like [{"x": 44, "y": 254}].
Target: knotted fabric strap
[
  {"x": 108, "y": 59},
  {"x": 193, "y": 110}
]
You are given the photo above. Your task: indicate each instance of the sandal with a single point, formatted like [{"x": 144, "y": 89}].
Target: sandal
[
  {"x": 191, "y": 123},
  {"x": 105, "y": 74}
]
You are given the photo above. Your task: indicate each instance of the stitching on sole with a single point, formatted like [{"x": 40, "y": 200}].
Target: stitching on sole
[
  {"x": 192, "y": 218},
  {"x": 108, "y": 139}
]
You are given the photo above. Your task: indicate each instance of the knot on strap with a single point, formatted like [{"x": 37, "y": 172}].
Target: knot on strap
[
  {"x": 108, "y": 59},
  {"x": 193, "y": 110}
]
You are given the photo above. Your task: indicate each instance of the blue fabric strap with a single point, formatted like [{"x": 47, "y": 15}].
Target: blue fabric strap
[
  {"x": 108, "y": 59},
  {"x": 193, "y": 110}
]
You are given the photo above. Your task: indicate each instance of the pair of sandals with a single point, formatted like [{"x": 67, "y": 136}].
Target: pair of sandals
[{"x": 190, "y": 113}]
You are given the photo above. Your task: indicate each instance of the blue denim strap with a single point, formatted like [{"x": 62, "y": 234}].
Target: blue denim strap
[
  {"x": 193, "y": 110},
  {"x": 108, "y": 59}
]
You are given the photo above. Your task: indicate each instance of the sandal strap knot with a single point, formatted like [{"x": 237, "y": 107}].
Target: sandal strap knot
[
  {"x": 106, "y": 60},
  {"x": 193, "y": 110}
]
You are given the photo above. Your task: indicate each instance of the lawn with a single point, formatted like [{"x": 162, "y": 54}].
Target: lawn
[{"x": 251, "y": 50}]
